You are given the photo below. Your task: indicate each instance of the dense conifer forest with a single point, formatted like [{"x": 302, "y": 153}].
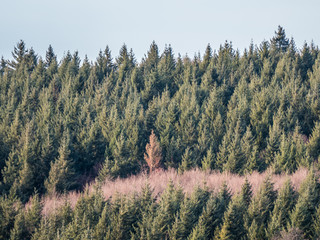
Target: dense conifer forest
[{"x": 65, "y": 123}]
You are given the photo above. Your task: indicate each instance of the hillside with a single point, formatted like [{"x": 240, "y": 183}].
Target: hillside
[{"x": 70, "y": 122}]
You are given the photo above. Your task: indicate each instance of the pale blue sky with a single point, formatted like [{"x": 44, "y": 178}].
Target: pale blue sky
[{"x": 188, "y": 25}]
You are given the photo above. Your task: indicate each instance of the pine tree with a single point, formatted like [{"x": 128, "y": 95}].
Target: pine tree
[
  {"x": 285, "y": 159},
  {"x": 209, "y": 220},
  {"x": 10, "y": 172},
  {"x": 246, "y": 192},
  {"x": 169, "y": 205},
  {"x": 273, "y": 142},
  {"x": 104, "y": 64},
  {"x": 27, "y": 221},
  {"x": 9, "y": 208},
  {"x": 305, "y": 209},
  {"x": 31, "y": 60},
  {"x": 316, "y": 224},
  {"x": 251, "y": 153},
  {"x": 3, "y": 65},
  {"x": 152, "y": 58},
  {"x": 28, "y": 178},
  {"x": 61, "y": 175},
  {"x": 307, "y": 61},
  {"x": 313, "y": 147},
  {"x": 187, "y": 161},
  {"x": 104, "y": 221},
  {"x": 166, "y": 68},
  {"x": 233, "y": 222},
  {"x": 260, "y": 210},
  {"x": 206, "y": 59},
  {"x": 231, "y": 154},
  {"x": 284, "y": 204},
  {"x": 208, "y": 161},
  {"x": 189, "y": 213},
  {"x": 18, "y": 54},
  {"x": 279, "y": 42},
  {"x": 50, "y": 56}
]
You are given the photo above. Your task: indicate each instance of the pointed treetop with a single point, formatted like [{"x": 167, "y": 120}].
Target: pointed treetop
[
  {"x": 280, "y": 42},
  {"x": 50, "y": 56},
  {"x": 153, "y": 155}
]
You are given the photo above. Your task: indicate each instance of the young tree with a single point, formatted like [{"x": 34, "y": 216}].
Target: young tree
[
  {"x": 246, "y": 192},
  {"x": 153, "y": 155}
]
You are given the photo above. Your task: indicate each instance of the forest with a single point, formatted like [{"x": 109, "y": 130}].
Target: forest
[{"x": 69, "y": 124}]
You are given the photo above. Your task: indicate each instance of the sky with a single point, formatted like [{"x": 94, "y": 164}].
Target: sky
[{"x": 88, "y": 26}]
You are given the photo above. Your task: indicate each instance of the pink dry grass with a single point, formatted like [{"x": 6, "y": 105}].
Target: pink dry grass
[{"x": 159, "y": 180}]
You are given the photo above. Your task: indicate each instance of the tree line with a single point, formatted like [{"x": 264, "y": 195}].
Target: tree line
[{"x": 269, "y": 214}]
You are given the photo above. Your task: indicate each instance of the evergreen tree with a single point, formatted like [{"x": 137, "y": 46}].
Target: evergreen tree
[
  {"x": 305, "y": 209},
  {"x": 187, "y": 161},
  {"x": 273, "y": 142},
  {"x": 61, "y": 175},
  {"x": 9, "y": 208},
  {"x": 260, "y": 210},
  {"x": 279, "y": 42},
  {"x": 284, "y": 204},
  {"x": 27, "y": 221},
  {"x": 233, "y": 222},
  {"x": 246, "y": 192},
  {"x": 3, "y": 65},
  {"x": 189, "y": 213},
  {"x": 313, "y": 147},
  {"x": 18, "y": 54},
  {"x": 50, "y": 56},
  {"x": 208, "y": 161},
  {"x": 169, "y": 204}
]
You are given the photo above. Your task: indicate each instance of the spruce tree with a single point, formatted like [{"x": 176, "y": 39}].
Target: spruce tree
[
  {"x": 169, "y": 204},
  {"x": 233, "y": 222},
  {"x": 280, "y": 42},
  {"x": 246, "y": 192},
  {"x": 50, "y": 56},
  {"x": 284, "y": 204},
  {"x": 61, "y": 175},
  {"x": 305, "y": 210},
  {"x": 260, "y": 210},
  {"x": 313, "y": 147},
  {"x": 9, "y": 208},
  {"x": 18, "y": 54}
]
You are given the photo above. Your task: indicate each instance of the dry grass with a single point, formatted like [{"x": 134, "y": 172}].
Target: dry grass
[{"x": 188, "y": 181}]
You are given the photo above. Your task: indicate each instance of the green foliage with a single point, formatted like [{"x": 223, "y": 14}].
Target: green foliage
[
  {"x": 260, "y": 210},
  {"x": 233, "y": 222},
  {"x": 170, "y": 203},
  {"x": 9, "y": 209},
  {"x": 27, "y": 220},
  {"x": 61, "y": 173},
  {"x": 65, "y": 122},
  {"x": 305, "y": 210},
  {"x": 284, "y": 204},
  {"x": 246, "y": 192},
  {"x": 189, "y": 213},
  {"x": 280, "y": 42}
]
